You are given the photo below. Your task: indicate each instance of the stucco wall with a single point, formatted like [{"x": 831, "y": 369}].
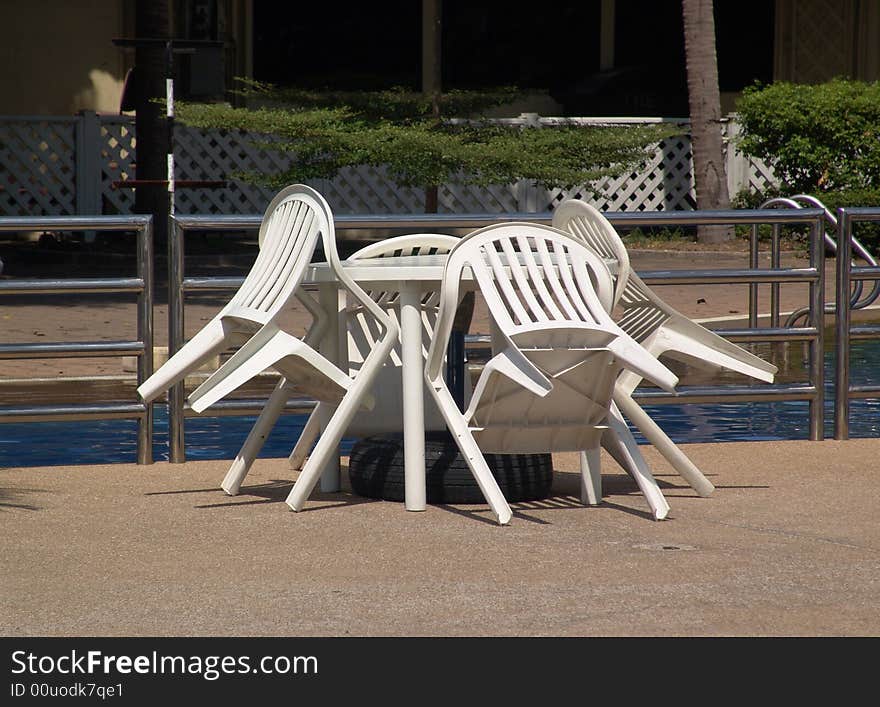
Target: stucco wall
[{"x": 58, "y": 57}]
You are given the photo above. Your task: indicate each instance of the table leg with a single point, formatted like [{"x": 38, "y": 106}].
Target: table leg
[
  {"x": 330, "y": 301},
  {"x": 413, "y": 398}
]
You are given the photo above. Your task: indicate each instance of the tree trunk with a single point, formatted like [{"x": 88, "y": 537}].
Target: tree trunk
[
  {"x": 432, "y": 37},
  {"x": 704, "y": 99},
  {"x": 152, "y": 21}
]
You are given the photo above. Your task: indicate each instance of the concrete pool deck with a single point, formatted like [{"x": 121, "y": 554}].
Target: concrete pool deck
[{"x": 788, "y": 545}]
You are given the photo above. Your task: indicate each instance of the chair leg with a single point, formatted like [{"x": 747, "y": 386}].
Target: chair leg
[
  {"x": 591, "y": 477},
  {"x": 656, "y": 436},
  {"x": 327, "y": 445},
  {"x": 307, "y": 438},
  {"x": 483, "y": 476},
  {"x": 470, "y": 450},
  {"x": 331, "y": 436},
  {"x": 623, "y": 447},
  {"x": 256, "y": 438}
]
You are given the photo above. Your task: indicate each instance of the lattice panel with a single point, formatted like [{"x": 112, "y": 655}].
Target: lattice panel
[
  {"x": 118, "y": 145},
  {"x": 761, "y": 177},
  {"x": 665, "y": 183},
  {"x": 37, "y": 167},
  {"x": 368, "y": 190},
  {"x": 38, "y": 175},
  {"x": 460, "y": 198},
  {"x": 215, "y": 155}
]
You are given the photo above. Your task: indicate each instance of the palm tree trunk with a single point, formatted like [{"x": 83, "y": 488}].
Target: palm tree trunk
[
  {"x": 710, "y": 178},
  {"x": 432, "y": 37},
  {"x": 152, "y": 21}
]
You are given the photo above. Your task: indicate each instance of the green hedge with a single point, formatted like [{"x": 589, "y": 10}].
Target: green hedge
[
  {"x": 822, "y": 140},
  {"x": 818, "y": 139}
]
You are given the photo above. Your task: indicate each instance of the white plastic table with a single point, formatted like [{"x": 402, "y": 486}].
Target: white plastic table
[{"x": 411, "y": 276}]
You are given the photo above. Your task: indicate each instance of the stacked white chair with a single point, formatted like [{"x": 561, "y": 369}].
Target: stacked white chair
[
  {"x": 557, "y": 356},
  {"x": 362, "y": 332},
  {"x": 294, "y": 222},
  {"x": 660, "y": 329},
  {"x": 288, "y": 236}
]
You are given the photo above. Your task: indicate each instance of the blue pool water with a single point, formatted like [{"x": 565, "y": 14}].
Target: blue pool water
[{"x": 111, "y": 441}]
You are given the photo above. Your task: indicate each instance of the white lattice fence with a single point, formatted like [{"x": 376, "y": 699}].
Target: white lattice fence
[
  {"x": 37, "y": 166},
  {"x": 203, "y": 154},
  {"x": 744, "y": 173},
  {"x": 117, "y": 163},
  {"x": 664, "y": 183},
  {"x": 368, "y": 190},
  {"x": 216, "y": 155},
  {"x": 43, "y": 171}
]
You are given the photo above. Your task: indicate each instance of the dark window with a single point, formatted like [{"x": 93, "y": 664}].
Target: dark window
[
  {"x": 342, "y": 45},
  {"x": 359, "y": 45},
  {"x": 744, "y": 42}
]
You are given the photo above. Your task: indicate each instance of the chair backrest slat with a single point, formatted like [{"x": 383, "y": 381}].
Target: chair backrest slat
[
  {"x": 268, "y": 253},
  {"x": 556, "y": 301},
  {"x": 545, "y": 275},
  {"x": 589, "y": 225},
  {"x": 499, "y": 283},
  {"x": 583, "y": 312},
  {"x": 280, "y": 269},
  {"x": 524, "y": 274},
  {"x": 289, "y": 233}
]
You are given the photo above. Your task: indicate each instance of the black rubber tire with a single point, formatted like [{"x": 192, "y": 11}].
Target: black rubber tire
[{"x": 375, "y": 469}]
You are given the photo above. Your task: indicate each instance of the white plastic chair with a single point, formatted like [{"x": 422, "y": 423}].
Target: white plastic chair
[
  {"x": 362, "y": 330},
  {"x": 288, "y": 235},
  {"x": 294, "y": 221},
  {"x": 660, "y": 329},
  {"x": 557, "y": 355}
]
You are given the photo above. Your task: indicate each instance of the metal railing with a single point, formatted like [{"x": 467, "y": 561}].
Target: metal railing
[
  {"x": 812, "y": 333},
  {"x": 844, "y": 392},
  {"x": 364, "y": 228},
  {"x": 856, "y": 300},
  {"x": 142, "y": 347}
]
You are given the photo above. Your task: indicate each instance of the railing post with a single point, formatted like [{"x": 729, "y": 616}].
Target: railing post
[
  {"x": 753, "y": 287},
  {"x": 88, "y": 164},
  {"x": 817, "y": 311},
  {"x": 526, "y": 190},
  {"x": 842, "y": 325},
  {"x": 774, "y": 288},
  {"x": 176, "y": 443},
  {"x": 145, "y": 334}
]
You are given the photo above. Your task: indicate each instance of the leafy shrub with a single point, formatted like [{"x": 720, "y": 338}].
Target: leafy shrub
[{"x": 818, "y": 139}]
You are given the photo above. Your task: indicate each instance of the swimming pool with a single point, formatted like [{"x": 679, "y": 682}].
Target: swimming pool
[{"x": 115, "y": 441}]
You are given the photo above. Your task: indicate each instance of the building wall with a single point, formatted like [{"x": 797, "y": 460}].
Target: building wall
[
  {"x": 58, "y": 57},
  {"x": 818, "y": 40}
]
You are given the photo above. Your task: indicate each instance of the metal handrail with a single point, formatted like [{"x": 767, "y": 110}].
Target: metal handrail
[
  {"x": 142, "y": 347},
  {"x": 361, "y": 227},
  {"x": 855, "y": 298},
  {"x": 846, "y": 273}
]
